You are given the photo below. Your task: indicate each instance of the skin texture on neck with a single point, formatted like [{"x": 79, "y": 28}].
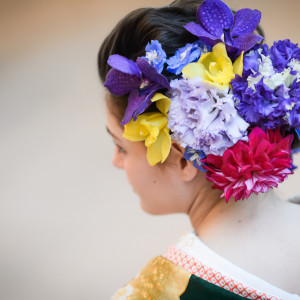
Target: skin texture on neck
[
  {"x": 255, "y": 234},
  {"x": 206, "y": 201}
]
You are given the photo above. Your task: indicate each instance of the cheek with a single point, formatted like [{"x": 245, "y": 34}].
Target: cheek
[
  {"x": 154, "y": 185},
  {"x": 139, "y": 174},
  {"x": 149, "y": 184}
]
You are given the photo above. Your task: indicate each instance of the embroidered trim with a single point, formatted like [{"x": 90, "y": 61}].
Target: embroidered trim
[{"x": 213, "y": 276}]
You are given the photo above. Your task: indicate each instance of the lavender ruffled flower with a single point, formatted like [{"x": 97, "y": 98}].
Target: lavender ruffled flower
[
  {"x": 217, "y": 24},
  {"x": 185, "y": 55},
  {"x": 204, "y": 117},
  {"x": 268, "y": 94},
  {"x": 195, "y": 156},
  {"x": 155, "y": 55}
]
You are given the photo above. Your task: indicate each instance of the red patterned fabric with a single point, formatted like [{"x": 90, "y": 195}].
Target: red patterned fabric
[{"x": 211, "y": 275}]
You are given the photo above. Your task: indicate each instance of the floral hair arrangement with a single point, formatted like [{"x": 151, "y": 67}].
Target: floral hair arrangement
[{"x": 229, "y": 107}]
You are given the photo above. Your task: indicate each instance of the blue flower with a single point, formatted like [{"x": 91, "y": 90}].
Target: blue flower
[
  {"x": 155, "y": 55},
  {"x": 185, "y": 55},
  {"x": 294, "y": 151},
  {"x": 251, "y": 63},
  {"x": 267, "y": 94},
  {"x": 265, "y": 107},
  {"x": 293, "y": 109},
  {"x": 194, "y": 156},
  {"x": 261, "y": 106},
  {"x": 282, "y": 52}
]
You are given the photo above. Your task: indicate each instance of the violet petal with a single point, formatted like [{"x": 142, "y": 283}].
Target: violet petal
[
  {"x": 214, "y": 16},
  {"x": 198, "y": 30},
  {"x": 232, "y": 51},
  {"x": 144, "y": 104},
  {"x": 251, "y": 62},
  {"x": 151, "y": 73},
  {"x": 245, "y": 21},
  {"x": 119, "y": 83},
  {"x": 228, "y": 38},
  {"x": 124, "y": 65},
  {"x": 134, "y": 102},
  {"x": 246, "y": 42},
  {"x": 149, "y": 88}
]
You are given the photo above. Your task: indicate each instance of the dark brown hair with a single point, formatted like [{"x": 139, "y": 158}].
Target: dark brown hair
[{"x": 165, "y": 24}]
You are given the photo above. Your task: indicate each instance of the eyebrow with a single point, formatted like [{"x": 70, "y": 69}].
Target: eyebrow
[{"x": 110, "y": 133}]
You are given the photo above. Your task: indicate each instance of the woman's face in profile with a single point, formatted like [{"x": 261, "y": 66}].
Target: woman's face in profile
[{"x": 156, "y": 186}]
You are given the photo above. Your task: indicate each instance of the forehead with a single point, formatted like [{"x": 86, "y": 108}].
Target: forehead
[
  {"x": 116, "y": 105},
  {"x": 113, "y": 124}
]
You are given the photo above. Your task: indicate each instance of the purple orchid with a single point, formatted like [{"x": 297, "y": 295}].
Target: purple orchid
[
  {"x": 217, "y": 24},
  {"x": 139, "y": 79}
]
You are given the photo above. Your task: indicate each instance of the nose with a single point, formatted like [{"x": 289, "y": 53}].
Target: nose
[{"x": 118, "y": 159}]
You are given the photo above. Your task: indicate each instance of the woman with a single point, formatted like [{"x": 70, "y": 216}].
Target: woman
[{"x": 200, "y": 109}]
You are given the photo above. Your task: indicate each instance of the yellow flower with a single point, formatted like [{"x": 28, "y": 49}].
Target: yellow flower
[
  {"x": 215, "y": 67},
  {"x": 152, "y": 128},
  {"x": 162, "y": 102}
]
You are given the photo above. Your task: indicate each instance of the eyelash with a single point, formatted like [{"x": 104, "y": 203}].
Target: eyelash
[{"x": 120, "y": 149}]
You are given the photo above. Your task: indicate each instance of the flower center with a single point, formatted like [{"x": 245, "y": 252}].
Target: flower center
[
  {"x": 152, "y": 56},
  {"x": 183, "y": 54},
  {"x": 144, "y": 84},
  {"x": 222, "y": 37},
  {"x": 226, "y": 37}
]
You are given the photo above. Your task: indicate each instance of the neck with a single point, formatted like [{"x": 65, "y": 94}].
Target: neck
[
  {"x": 211, "y": 216},
  {"x": 205, "y": 202}
]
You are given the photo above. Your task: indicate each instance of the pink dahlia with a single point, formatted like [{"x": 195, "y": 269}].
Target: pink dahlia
[{"x": 251, "y": 167}]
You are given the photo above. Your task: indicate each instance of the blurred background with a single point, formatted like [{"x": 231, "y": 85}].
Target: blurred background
[{"x": 70, "y": 225}]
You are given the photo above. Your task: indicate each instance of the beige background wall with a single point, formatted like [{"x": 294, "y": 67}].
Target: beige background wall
[{"x": 70, "y": 226}]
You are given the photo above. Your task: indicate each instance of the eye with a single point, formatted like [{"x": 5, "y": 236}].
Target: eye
[{"x": 120, "y": 149}]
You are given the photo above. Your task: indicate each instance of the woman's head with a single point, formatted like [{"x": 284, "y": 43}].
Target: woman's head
[
  {"x": 214, "y": 122},
  {"x": 158, "y": 184}
]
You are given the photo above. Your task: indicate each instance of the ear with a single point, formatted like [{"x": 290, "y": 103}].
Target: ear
[{"x": 187, "y": 171}]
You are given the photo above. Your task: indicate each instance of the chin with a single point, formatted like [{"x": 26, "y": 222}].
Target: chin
[
  {"x": 149, "y": 208},
  {"x": 152, "y": 209}
]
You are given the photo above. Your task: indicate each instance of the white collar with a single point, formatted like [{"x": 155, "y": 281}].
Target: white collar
[{"x": 193, "y": 246}]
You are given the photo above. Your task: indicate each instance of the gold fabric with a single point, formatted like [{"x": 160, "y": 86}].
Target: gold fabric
[{"x": 160, "y": 279}]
